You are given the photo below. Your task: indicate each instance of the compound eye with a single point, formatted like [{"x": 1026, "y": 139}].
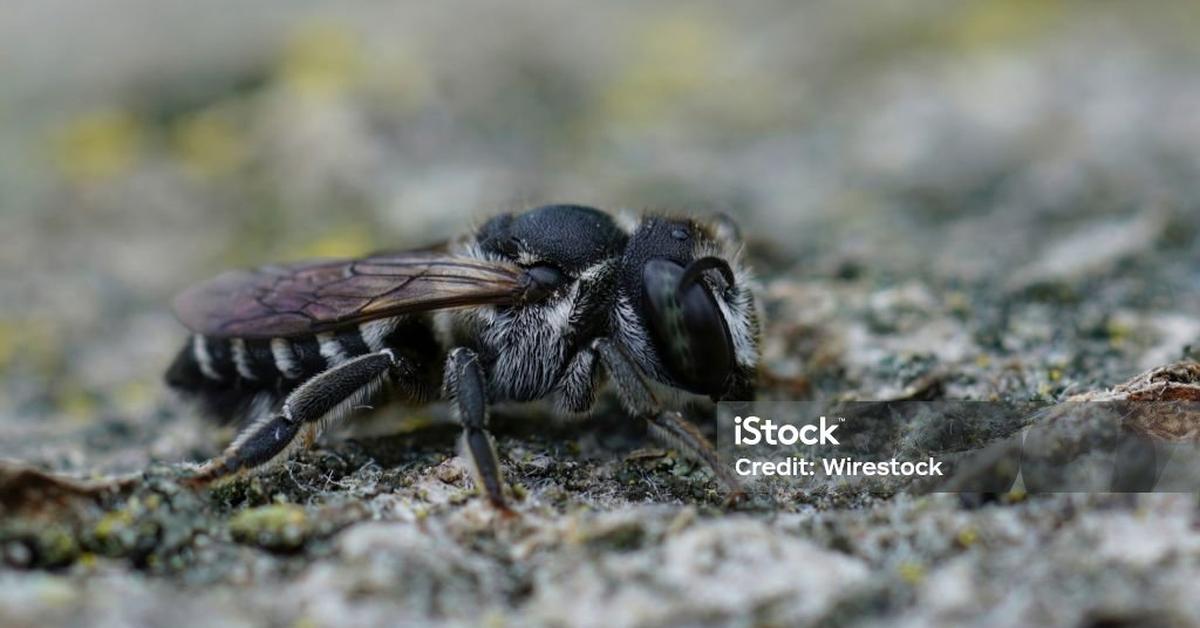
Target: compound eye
[
  {"x": 687, "y": 327},
  {"x": 541, "y": 281}
]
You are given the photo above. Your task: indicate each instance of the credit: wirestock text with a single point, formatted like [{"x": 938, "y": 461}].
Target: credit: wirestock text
[{"x": 846, "y": 466}]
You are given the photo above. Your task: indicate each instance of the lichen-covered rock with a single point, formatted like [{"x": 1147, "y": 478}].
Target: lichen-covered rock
[
  {"x": 709, "y": 573},
  {"x": 278, "y": 526},
  {"x": 970, "y": 200}
]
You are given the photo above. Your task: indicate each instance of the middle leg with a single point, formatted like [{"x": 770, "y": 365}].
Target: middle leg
[{"x": 466, "y": 389}]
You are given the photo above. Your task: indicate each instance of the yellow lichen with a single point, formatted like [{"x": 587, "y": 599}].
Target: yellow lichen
[
  {"x": 208, "y": 143},
  {"x": 57, "y": 545},
  {"x": 1118, "y": 333},
  {"x": 672, "y": 57},
  {"x": 958, "y": 302},
  {"x": 97, "y": 145},
  {"x": 321, "y": 59},
  {"x": 112, "y": 523},
  {"x": 77, "y": 403},
  {"x": 277, "y": 526},
  {"x": 349, "y": 241},
  {"x": 1002, "y": 22},
  {"x": 911, "y": 572},
  {"x": 136, "y": 396}
]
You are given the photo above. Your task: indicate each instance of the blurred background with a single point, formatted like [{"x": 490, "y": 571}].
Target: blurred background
[{"x": 147, "y": 144}]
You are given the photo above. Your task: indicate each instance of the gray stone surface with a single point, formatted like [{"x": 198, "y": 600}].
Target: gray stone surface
[{"x": 954, "y": 200}]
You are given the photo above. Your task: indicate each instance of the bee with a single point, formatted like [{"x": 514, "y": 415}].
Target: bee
[{"x": 550, "y": 304}]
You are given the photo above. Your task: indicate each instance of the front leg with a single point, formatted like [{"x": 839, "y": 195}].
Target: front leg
[
  {"x": 668, "y": 425},
  {"x": 575, "y": 392},
  {"x": 466, "y": 389}
]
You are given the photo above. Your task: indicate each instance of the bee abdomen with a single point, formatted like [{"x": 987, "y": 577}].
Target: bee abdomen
[
  {"x": 201, "y": 363},
  {"x": 207, "y": 363}
]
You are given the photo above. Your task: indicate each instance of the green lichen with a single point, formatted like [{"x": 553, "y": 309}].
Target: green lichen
[
  {"x": 279, "y": 527},
  {"x": 39, "y": 544},
  {"x": 57, "y": 545}
]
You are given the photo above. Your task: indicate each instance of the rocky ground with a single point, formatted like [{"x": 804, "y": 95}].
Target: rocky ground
[{"x": 969, "y": 200}]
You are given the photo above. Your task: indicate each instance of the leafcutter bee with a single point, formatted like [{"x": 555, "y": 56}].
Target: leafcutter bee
[{"x": 552, "y": 304}]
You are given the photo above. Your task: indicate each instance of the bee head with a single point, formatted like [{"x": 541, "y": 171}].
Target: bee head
[{"x": 699, "y": 320}]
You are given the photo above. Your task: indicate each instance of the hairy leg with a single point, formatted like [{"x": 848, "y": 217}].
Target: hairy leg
[
  {"x": 326, "y": 398},
  {"x": 465, "y": 387},
  {"x": 575, "y": 392},
  {"x": 667, "y": 425}
]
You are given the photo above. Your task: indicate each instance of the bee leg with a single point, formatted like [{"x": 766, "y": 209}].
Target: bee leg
[
  {"x": 327, "y": 397},
  {"x": 666, "y": 425},
  {"x": 576, "y": 388},
  {"x": 256, "y": 445},
  {"x": 466, "y": 389}
]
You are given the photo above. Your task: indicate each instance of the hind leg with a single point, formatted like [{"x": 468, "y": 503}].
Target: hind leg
[{"x": 327, "y": 397}]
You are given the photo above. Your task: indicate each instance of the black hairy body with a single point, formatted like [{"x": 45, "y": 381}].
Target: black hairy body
[{"x": 547, "y": 304}]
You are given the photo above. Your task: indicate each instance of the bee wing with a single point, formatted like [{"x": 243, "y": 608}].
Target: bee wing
[{"x": 309, "y": 297}]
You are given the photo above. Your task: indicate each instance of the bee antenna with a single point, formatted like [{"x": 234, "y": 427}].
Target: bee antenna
[{"x": 698, "y": 267}]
